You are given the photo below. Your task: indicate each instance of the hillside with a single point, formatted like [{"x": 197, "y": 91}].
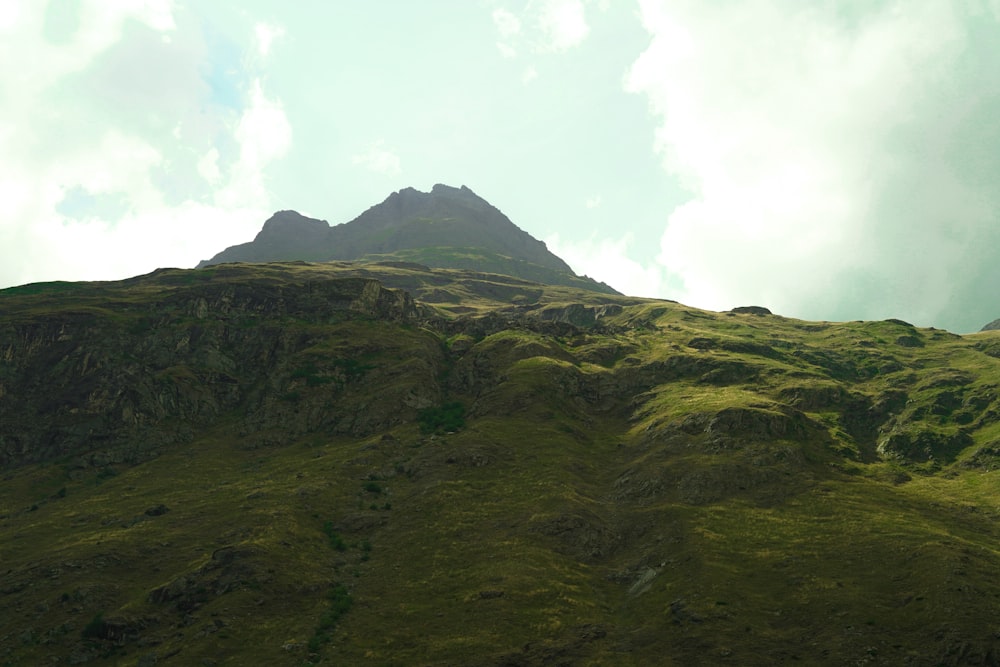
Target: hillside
[
  {"x": 388, "y": 464},
  {"x": 444, "y": 228}
]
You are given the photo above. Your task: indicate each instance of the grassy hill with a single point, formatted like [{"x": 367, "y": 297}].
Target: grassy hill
[{"x": 385, "y": 464}]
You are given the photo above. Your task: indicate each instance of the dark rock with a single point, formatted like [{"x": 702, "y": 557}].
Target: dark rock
[
  {"x": 813, "y": 397},
  {"x": 638, "y": 485},
  {"x": 702, "y": 343},
  {"x": 584, "y": 536},
  {"x": 945, "y": 403},
  {"x": 579, "y": 314},
  {"x": 703, "y": 368},
  {"x": 836, "y": 365},
  {"x": 947, "y": 378},
  {"x": 170, "y": 591},
  {"x": 751, "y": 347},
  {"x": 909, "y": 341},
  {"x": 475, "y": 456},
  {"x": 157, "y": 510},
  {"x": 751, "y": 310},
  {"x": 923, "y": 445},
  {"x": 115, "y": 394},
  {"x": 681, "y": 614},
  {"x": 738, "y": 425},
  {"x": 985, "y": 458},
  {"x": 862, "y": 416},
  {"x": 116, "y": 629}
]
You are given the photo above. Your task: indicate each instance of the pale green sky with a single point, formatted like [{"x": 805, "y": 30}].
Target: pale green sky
[{"x": 829, "y": 160}]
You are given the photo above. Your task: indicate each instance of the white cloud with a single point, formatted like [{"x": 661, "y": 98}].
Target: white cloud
[
  {"x": 100, "y": 24},
  {"x": 506, "y": 50},
  {"x": 609, "y": 261},
  {"x": 789, "y": 124},
  {"x": 593, "y": 202},
  {"x": 507, "y": 24},
  {"x": 110, "y": 173},
  {"x": 541, "y": 26},
  {"x": 208, "y": 166},
  {"x": 379, "y": 159},
  {"x": 166, "y": 236},
  {"x": 266, "y": 36},
  {"x": 9, "y": 15},
  {"x": 509, "y": 27},
  {"x": 563, "y": 23},
  {"x": 529, "y": 74},
  {"x": 263, "y": 135},
  {"x": 124, "y": 167}
]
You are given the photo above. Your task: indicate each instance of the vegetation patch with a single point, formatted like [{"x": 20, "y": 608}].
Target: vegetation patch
[
  {"x": 447, "y": 418},
  {"x": 95, "y": 628},
  {"x": 336, "y": 541},
  {"x": 340, "y": 601}
]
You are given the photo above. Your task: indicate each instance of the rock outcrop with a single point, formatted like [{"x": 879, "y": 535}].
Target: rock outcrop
[{"x": 89, "y": 386}]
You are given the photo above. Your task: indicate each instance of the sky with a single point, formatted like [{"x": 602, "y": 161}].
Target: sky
[{"x": 830, "y": 160}]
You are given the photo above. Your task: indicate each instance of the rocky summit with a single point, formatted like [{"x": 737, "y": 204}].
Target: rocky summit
[
  {"x": 445, "y": 228},
  {"x": 386, "y": 463}
]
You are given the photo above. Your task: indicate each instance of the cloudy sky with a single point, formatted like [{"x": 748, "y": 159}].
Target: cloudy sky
[{"x": 831, "y": 160}]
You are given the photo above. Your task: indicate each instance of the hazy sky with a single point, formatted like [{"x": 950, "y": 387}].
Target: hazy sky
[{"x": 828, "y": 159}]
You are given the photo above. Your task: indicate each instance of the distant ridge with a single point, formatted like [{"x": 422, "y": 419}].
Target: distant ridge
[{"x": 447, "y": 227}]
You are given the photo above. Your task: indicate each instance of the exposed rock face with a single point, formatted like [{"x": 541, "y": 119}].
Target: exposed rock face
[
  {"x": 991, "y": 326},
  {"x": 445, "y": 217},
  {"x": 986, "y": 457},
  {"x": 287, "y": 235},
  {"x": 88, "y": 385},
  {"x": 924, "y": 445}
]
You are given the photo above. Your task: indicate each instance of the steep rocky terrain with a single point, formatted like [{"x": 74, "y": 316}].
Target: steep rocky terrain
[
  {"x": 991, "y": 326},
  {"x": 444, "y": 228},
  {"x": 389, "y": 464}
]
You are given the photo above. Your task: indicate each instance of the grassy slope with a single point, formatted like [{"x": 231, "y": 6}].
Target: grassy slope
[{"x": 551, "y": 528}]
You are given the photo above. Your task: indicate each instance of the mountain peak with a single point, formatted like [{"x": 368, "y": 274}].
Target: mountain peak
[
  {"x": 442, "y": 189},
  {"x": 439, "y": 191},
  {"x": 441, "y": 225},
  {"x": 289, "y": 218}
]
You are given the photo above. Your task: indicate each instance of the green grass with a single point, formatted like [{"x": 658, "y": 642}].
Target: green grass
[{"x": 352, "y": 490}]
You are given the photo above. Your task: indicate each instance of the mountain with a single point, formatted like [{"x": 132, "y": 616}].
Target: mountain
[
  {"x": 991, "y": 326},
  {"x": 445, "y": 228},
  {"x": 371, "y": 463}
]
